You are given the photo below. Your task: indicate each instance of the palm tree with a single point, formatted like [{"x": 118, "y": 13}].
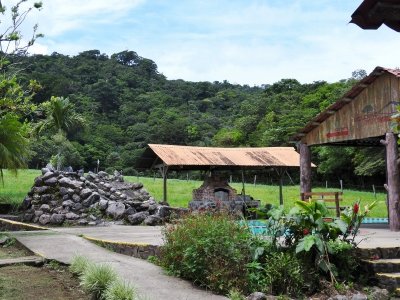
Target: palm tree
[
  {"x": 62, "y": 118},
  {"x": 13, "y": 144}
]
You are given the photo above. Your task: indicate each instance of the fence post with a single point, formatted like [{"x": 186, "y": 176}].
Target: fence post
[
  {"x": 341, "y": 185},
  {"x": 373, "y": 188},
  {"x": 326, "y": 184},
  {"x": 255, "y": 180},
  {"x": 230, "y": 179}
]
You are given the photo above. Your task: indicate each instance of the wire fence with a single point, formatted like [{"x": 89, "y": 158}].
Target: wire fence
[{"x": 287, "y": 179}]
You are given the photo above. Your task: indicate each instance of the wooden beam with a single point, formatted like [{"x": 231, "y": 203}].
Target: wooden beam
[
  {"x": 305, "y": 168},
  {"x": 164, "y": 171},
  {"x": 347, "y": 99},
  {"x": 331, "y": 112},
  {"x": 315, "y": 123},
  {"x": 243, "y": 187},
  {"x": 393, "y": 181},
  {"x": 363, "y": 85}
]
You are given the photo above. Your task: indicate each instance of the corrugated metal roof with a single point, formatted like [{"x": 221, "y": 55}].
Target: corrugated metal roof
[
  {"x": 198, "y": 157},
  {"x": 346, "y": 99},
  {"x": 371, "y": 14}
]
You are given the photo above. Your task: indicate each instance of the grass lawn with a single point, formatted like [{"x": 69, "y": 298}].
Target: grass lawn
[{"x": 180, "y": 191}]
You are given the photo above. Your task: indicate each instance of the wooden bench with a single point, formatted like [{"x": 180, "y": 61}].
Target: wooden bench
[{"x": 335, "y": 197}]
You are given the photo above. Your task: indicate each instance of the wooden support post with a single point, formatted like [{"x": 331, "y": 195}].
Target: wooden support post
[
  {"x": 305, "y": 168},
  {"x": 280, "y": 172},
  {"x": 393, "y": 180},
  {"x": 281, "y": 188},
  {"x": 243, "y": 188},
  {"x": 337, "y": 205},
  {"x": 164, "y": 170}
]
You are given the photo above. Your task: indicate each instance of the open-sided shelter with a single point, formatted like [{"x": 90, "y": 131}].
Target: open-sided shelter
[
  {"x": 362, "y": 117},
  {"x": 178, "y": 158},
  {"x": 371, "y": 14}
]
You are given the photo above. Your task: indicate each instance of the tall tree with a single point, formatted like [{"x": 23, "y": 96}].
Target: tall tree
[
  {"x": 14, "y": 100},
  {"x": 61, "y": 119}
]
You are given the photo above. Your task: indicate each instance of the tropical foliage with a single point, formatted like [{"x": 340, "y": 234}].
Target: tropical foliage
[
  {"x": 15, "y": 99},
  {"x": 127, "y": 103},
  {"x": 300, "y": 253}
]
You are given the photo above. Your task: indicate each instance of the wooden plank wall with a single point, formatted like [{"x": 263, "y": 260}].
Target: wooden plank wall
[{"x": 368, "y": 115}]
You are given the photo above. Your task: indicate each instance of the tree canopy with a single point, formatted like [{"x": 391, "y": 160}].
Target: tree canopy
[{"x": 127, "y": 103}]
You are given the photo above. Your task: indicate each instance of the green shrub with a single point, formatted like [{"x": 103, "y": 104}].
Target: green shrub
[
  {"x": 284, "y": 274},
  {"x": 210, "y": 250},
  {"x": 236, "y": 295},
  {"x": 96, "y": 278},
  {"x": 79, "y": 264},
  {"x": 120, "y": 290},
  {"x": 344, "y": 259}
]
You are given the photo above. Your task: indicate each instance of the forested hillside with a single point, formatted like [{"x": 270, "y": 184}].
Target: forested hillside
[{"x": 128, "y": 103}]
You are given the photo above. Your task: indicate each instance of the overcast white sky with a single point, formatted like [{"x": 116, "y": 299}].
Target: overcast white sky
[{"x": 242, "y": 41}]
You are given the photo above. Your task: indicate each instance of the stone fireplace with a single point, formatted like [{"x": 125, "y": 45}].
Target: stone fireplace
[{"x": 216, "y": 193}]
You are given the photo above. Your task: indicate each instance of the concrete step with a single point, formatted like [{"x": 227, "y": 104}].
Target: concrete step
[
  {"x": 10, "y": 217},
  {"x": 390, "y": 281},
  {"x": 379, "y": 253},
  {"x": 389, "y": 265},
  {"x": 33, "y": 260}
]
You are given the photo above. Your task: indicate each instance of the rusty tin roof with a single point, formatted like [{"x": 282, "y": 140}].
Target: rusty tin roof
[
  {"x": 345, "y": 99},
  {"x": 189, "y": 157}
]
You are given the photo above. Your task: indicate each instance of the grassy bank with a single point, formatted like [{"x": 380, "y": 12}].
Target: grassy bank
[{"x": 180, "y": 191}]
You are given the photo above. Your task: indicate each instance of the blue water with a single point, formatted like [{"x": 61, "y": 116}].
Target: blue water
[{"x": 259, "y": 227}]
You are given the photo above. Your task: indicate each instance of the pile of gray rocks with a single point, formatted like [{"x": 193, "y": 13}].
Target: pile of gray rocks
[{"x": 70, "y": 198}]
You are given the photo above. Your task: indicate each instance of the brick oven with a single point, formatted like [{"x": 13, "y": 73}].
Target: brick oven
[{"x": 216, "y": 193}]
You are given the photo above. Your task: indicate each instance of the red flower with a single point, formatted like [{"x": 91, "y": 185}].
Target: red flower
[
  {"x": 305, "y": 231},
  {"x": 356, "y": 207}
]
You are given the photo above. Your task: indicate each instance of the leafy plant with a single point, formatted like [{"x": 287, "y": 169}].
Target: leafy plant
[
  {"x": 236, "y": 295},
  {"x": 10, "y": 241},
  {"x": 211, "y": 250},
  {"x": 53, "y": 264},
  {"x": 328, "y": 245},
  {"x": 120, "y": 290},
  {"x": 96, "y": 278},
  {"x": 284, "y": 274},
  {"x": 353, "y": 218}
]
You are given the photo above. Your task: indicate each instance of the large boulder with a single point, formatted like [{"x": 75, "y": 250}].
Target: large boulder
[
  {"x": 85, "y": 193},
  {"x": 44, "y": 219},
  {"x": 68, "y": 183},
  {"x": 57, "y": 219},
  {"x": 257, "y": 296},
  {"x": 138, "y": 218},
  {"x": 115, "y": 210},
  {"x": 152, "y": 220},
  {"x": 51, "y": 181},
  {"x": 71, "y": 216}
]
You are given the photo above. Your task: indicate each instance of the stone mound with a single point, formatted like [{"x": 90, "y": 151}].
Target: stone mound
[{"x": 69, "y": 198}]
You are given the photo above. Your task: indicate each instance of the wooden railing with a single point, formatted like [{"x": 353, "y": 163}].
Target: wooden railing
[{"x": 335, "y": 197}]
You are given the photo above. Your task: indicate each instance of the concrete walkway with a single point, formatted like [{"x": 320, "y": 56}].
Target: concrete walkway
[
  {"x": 377, "y": 237},
  {"x": 149, "y": 279},
  {"x": 119, "y": 233}
]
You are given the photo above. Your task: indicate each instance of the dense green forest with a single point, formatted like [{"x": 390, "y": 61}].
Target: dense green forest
[{"x": 127, "y": 103}]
